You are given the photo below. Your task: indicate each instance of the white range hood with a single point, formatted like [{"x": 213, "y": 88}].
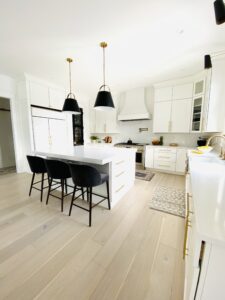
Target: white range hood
[{"x": 134, "y": 107}]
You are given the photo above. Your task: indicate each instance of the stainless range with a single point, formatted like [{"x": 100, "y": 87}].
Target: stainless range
[{"x": 140, "y": 154}]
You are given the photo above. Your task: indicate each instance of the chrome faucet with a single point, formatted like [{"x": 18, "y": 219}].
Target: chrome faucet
[{"x": 222, "y": 136}]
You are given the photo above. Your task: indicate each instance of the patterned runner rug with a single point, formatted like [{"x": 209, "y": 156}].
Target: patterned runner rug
[{"x": 169, "y": 200}]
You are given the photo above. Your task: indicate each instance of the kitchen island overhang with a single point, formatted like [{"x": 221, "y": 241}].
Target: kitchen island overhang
[{"x": 118, "y": 163}]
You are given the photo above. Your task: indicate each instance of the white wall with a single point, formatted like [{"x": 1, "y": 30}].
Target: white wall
[{"x": 8, "y": 90}]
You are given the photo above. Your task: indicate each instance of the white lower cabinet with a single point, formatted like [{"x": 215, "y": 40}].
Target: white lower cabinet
[{"x": 166, "y": 159}]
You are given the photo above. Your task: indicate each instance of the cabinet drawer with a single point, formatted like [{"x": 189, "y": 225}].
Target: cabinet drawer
[
  {"x": 165, "y": 150},
  {"x": 165, "y": 156},
  {"x": 119, "y": 165},
  {"x": 164, "y": 165}
]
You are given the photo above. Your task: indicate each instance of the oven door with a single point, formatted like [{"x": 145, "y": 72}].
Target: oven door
[{"x": 139, "y": 158}]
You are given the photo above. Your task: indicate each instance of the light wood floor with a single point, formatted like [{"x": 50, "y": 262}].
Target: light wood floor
[{"x": 130, "y": 252}]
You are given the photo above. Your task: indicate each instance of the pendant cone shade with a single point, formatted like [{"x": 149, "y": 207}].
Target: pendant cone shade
[
  {"x": 219, "y": 7},
  {"x": 207, "y": 62},
  {"x": 70, "y": 104},
  {"x": 104, "y": 99}
]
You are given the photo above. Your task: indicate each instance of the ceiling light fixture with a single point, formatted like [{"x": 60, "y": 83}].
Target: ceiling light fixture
[
  {"x": 70, "y": 104},
  {"x": 219, "y": 7},
  {"x": 207, "y": 62},
  {"x": 104, "y": 99}
]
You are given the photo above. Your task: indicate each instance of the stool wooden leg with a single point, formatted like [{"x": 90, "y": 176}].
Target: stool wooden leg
[
  {"x": 62, "y": 194},
  {"x": 107, "y": 187},
  {"x": 72, "y": 200},
  {"x": 90, "y": 205},
  {"x": 31, "y": 185},
  {"x": 49, "y": 190},
  {"x": 42, "y": 184}
]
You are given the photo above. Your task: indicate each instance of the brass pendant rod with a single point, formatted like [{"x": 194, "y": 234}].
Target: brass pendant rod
[
  {"x": 103, "y": 45},
  {"x": 69, "y": 60}
]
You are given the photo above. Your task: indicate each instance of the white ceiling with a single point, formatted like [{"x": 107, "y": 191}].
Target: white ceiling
[{"x": 149, "y": 40}]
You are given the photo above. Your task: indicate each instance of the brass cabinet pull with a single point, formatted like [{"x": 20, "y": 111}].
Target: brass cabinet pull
[
  {"x": 119, "y": 162},
  {"x": 188, "y": 205},
  {"x": 121, "y": 173},
  {"x": 185, "y": 239},
  {"x": 120, "y": 188}
]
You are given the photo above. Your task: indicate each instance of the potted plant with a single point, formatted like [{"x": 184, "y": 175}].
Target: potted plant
[{"x": 94, "y": 138}]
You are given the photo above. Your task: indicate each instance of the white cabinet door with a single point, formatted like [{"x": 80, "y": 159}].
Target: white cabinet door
[
  {"x": 181, "y": 115},
  {"x": 183, "y": 91},
  {"x": 149, "y": 157},
  {"x": 57, "y": 98},
  {"x": 110, "y": 121},
  {"x": 39, "y": 94},
  {"x": 100, "y": 121},
  {"x": 216, "y": 108},
  {"x": 181, "y": 160},
  {"x": 58, "y": 135},
  {"x": 161, "y": 118},
  {"x": 41, "y": 134},
  {"x": 163, "y": 94}
]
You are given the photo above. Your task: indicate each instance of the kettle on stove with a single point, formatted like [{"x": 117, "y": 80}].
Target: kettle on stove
[{"x": 129, "y": 142}]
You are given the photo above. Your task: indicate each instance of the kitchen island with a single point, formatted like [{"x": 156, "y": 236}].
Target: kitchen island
[
  {"x": 119, "y": 164},
  {"x": 204, "y": 246}
]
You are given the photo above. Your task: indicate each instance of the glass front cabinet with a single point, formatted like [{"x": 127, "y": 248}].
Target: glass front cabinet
[{"x": 197, "y": 107}]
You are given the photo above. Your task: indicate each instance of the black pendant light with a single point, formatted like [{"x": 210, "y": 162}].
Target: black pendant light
[
  {"x": 104, "y": 99},
  {"x": 219, "y": 7},
  {"x": 70, "y": 104},
  {"x": 207, "y": 62}
]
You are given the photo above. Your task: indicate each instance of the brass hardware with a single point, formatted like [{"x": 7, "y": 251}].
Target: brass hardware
[
  {"x": 188, "y": 205},
  {"x": 103, "y": 44},
  {"x": 69, "y": 60},
  {"x": 120, "y": 188},
  {"x": 119, "y": 162},
  {"x": 118, "y": 175},
  {"x": 185, "y": 239}
]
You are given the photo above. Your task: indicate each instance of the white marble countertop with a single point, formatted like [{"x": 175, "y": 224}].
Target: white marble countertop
[
  {"x": 89, "y": 154},
  {"x": 168, "y": 146},
  {"x": 208, "y": 190}
]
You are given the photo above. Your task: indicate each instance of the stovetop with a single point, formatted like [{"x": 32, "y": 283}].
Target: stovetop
[{"x": 133, "y": 144}]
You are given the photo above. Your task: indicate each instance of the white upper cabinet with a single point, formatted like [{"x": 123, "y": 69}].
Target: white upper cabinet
[
  {"x": 163, "y": 94},
  {"x": 181, "y": 115},
  {"x": 183, "y": 91},
  {"x": 44, "y": 94},
  {"x": 39, "y": 94},
  {"x": 216, "y": 106},
  {"x": 162, "y": 116},
  {"x": 104, "y": 122},
  {"x": 56, "y": 98}
]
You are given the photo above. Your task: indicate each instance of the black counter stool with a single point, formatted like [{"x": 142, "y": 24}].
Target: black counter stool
[
  {"x": 58, "y": 170},
  {"x": 37, "y": 166},
  {"x": 88, "y": 177}
]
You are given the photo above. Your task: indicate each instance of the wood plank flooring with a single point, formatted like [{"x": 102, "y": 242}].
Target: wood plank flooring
[{"x": 130, "y": 252}]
